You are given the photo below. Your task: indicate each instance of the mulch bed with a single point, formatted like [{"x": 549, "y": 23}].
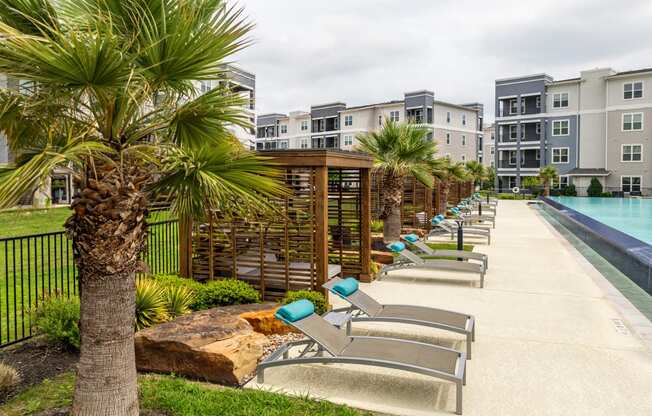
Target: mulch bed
[{"x": 35, "y": 360}]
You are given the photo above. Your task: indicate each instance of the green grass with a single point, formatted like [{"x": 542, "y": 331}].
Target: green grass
[
  {"x": 20, "y": 222},
  {"x": 179, "y": 397}
]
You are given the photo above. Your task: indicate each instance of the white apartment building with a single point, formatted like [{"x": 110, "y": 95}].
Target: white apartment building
[
  {"x": 487, "y": 146},
  {"x": 456, "y": 128}
]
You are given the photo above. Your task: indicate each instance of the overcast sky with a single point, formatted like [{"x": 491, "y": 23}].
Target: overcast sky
[{"x": 364, "y": 51}]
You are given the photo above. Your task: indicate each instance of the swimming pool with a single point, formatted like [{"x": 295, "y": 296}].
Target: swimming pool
[{"x": 631, "y": 216}]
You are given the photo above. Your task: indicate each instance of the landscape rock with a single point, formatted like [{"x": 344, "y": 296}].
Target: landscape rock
[{"x": 266, "y": 323}]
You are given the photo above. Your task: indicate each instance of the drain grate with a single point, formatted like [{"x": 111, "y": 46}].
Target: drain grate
[{"x": 620, "y": 326}]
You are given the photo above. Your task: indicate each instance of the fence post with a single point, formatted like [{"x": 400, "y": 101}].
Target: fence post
[{"x": 185, "y": 247}]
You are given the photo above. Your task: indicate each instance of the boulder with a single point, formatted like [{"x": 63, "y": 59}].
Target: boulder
[
  {"x": 265, "y": 322},
  {"x": 215, "y": 345},
  {"x": 382, "y": 257}
]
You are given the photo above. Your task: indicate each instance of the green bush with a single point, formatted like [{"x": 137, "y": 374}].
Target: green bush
[
  {"x": 315, "y": 297},
  {"x": 178, "y": 300},
  {"x": 570, "y": 190},
  {"x": 57, "y": 318},
  {"x": 595, "y": 188},
  {"x": 377, "y": 226},
  {"x": 150, "y": 304},
  {"x": 606, "y": 195},
  {"x": 224, "y": 293}
]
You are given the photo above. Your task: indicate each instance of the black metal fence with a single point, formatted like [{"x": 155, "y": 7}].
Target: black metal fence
[{"x": 36, "y": 266}]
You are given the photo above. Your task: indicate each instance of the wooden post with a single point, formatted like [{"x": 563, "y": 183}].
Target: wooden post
[
  {"x": 365, "y": 228},
  {"x": 185, "y": 247},
  {"x": 211, "y": 254},
  {"x": 321, "y": 226}
]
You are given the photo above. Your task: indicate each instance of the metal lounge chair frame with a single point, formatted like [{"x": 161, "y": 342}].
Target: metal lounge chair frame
[
  {"x": 411, "y": 260},
  {"x": 318, "y": 350},
  {"x": 470, "y": 231},
  {"x": 366, "y": 309},
  {"x": 467, "y": 255}
]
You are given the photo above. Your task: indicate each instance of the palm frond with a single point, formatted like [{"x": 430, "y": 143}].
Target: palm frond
[{"x": 30, "y": 17}]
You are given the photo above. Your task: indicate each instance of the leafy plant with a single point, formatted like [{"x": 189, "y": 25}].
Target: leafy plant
[
  {"x": 313, "y": 296},
  {"x": 223, "y": 293},
  {"x": 377, "y": 226},
  {"x": 530, "y": 182},
  {"x": 150, "y": 304},
  {"x": 569, "y": 190},
  {"x": 595, "y": 188},
  {"x": 178, "y": 300},
  {"x": 57, "y": 318},
  {"x": 606, "y": 195},
  {"x": 547, "y": 175},
  {"x": 8, "y": 376}
]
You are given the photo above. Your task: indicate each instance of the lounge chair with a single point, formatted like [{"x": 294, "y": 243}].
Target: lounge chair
[
  {"x": 410, "y": 260},
  {"x": 439, "y": 222},
  {"x": 414, "y": 240},
  {"x": 327, "y": 344},
  {"x": 471, "y": 218},
  {"x": 366, "y": 309}
]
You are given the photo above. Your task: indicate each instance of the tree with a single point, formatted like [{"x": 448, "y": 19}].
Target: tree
[
  {"x": 547, "y": 174},
  {"x": 477, "y": 172},
  {"x": 399, "y": 150},
  {"x": 595, "y": 188},
  {"x": 110, "y": 90},
  {"x": 531, "y": 182},
  {"x": 491, "y": 178},
  {"x": 447, "y": 173}
]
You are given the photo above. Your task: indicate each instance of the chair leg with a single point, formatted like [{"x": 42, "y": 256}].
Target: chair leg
[
  {"x": 458, "y": 393},
  {"x": 260, "y": 375},
  {"x": 469, "y": 338}
]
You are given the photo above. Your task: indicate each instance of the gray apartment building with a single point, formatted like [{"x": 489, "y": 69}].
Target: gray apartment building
[
  {"x": 592, "y": 126},
  {"x": 457, "y": 129}
]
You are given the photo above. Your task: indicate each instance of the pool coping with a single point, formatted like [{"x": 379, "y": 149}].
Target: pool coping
[{"x": 628, "y": 254}]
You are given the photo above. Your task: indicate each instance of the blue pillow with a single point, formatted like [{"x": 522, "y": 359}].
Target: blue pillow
[
  {"x": 440, "y": 217},
  {"x": 455, "y": 210},
  {"x": 396, "y": 246},
  {"x": 295, "y": 311},
  {"x": 435, "y": 220},
  {"x": 346, "y": 287},
  {"x": 412, "y": 238}
]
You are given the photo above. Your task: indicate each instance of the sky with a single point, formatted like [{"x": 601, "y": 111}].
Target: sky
[{"x": 365, "y": 51}]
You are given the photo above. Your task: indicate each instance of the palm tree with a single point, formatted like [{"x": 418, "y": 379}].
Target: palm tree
[
  {"x": 547, "y": 175},
  {"x": 399, "y": 150},
  {"x": 111, "y": 92},
  {"x": 448, "y": 172},
  {"x": 476, "y": 171}
]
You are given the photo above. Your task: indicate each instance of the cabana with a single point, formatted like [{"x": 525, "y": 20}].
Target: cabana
[{"x": 320, "y": 231}]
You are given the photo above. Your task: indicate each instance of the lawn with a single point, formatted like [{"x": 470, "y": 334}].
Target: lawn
[{"x": 175, "y": 396}]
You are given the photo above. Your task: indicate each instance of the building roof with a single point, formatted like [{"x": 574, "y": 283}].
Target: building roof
[
  {"x": 559, "y": 81},
  {"x": 632, "y": 72},
  {"x": 358, "y": 107},
  {"x": 589, "y": 172}
]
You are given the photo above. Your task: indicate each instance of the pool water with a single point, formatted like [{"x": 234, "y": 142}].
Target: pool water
[{"x": 632, "y": 216}]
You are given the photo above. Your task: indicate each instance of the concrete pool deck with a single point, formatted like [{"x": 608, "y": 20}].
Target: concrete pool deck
[{"x": 552, "y": 337}]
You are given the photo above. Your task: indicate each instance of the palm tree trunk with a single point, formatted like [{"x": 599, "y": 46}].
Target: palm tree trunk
[
  {"x": 546, "y": 188},
  {"x": 445, "y": 189},
  {"x": 108, "y": 230},
  {"x": 392, "y": 198}
]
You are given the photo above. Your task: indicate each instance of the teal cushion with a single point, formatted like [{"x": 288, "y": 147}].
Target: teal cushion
[
  {"x": 436, "y": 221},
  {"x": 346, "y": 287},
  {"x": 295, "y": 311},
  {"x": 396, "y": 246},
  {"x": 441, "y": 217},
  {"x": 455, "y": 210},
  {"x": 412, "y": 238}
]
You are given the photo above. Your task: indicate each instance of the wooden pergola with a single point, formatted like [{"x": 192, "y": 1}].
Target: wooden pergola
[{"x": 322, "y": 229}]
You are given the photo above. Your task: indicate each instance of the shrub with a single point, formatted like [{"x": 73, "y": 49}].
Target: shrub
[
  {"x": 150, "y": 304},
  {"x": 377, "y": 226},
  {"x": 595, "y": 188},
  {"x": 570, "y": 190},
  {"x": 178, "y": 300},
  {"x": 57, "y": 318},
  {"x": 315, "y": 297},
  {"x": 223, "y": 293},
  {"x": 606, "y": 195},
  {"x": 8, "y": 376}
]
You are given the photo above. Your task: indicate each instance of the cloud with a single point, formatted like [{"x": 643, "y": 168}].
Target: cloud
[{"x": 363, "y": 51}]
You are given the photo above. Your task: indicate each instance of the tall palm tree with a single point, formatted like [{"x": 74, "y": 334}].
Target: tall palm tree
[
  {"x": 111, "y": 93},
  {"x": 476, "y": 171},
  {"x": 399, "y": 150},
  {"x": 447, "y": 173},
  {"x": 547, "y": 175}
]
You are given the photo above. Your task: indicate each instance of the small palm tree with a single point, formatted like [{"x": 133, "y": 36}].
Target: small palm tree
[
  {"x": 111, "y": 92},
  {"x": 547, "y": 175},
  {"x": 399, "y": 150},
  {"x": 447, "y": 173},
  {"x": 477, "y": 172}
]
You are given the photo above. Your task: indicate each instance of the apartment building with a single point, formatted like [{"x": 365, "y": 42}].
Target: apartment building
[
  {"x": 592, "y": 126},
  {"x": 487, "y": 146},
  {"x": 456, "y": 128}
]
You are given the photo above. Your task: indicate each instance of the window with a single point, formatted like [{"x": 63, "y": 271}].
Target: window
[
  {"x": 304, "y": 125},
  {"x": 348, "y": 140},
  {"x": 463, "y": 158},
  {"x": 380, "y": 120},
  {"x": 630, "y": 183},
  {"x": 537, "y": 154},
  {"x": 538, "y": 101},
  {"x": 204, "y": 86},
  {"x": 633, "y": 90},
  {"x": 560, "y": 182},
  {"x": 523, "y": 105},
  {"x": 284, "y": 128},
  {"x": 304, "y": 143},
  {"x": 348, "y": 120},
  {"x": 463, "y": 140},
  {"x": 448, "y": 116},
  {"x": 492, "y": 150},
  {"x": 538, "y": 129},
  {"x": 448, "y": 138},
  {"x": 632, "y": 153},
  {"x": 513, "y": 107},
  {"x": 560, "y": 127},
  {"x": 560, "y": 100},
  {"x": 283, "y": 144},
  {"x": 632, "y": 121},
  {"x": 464, "y": 119},
  {"x": 560, "y": 154},
  {"x": 512, "y": 157},
  {"x": 394, "y": 116},
  {"x": 513, "y": 132}
]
